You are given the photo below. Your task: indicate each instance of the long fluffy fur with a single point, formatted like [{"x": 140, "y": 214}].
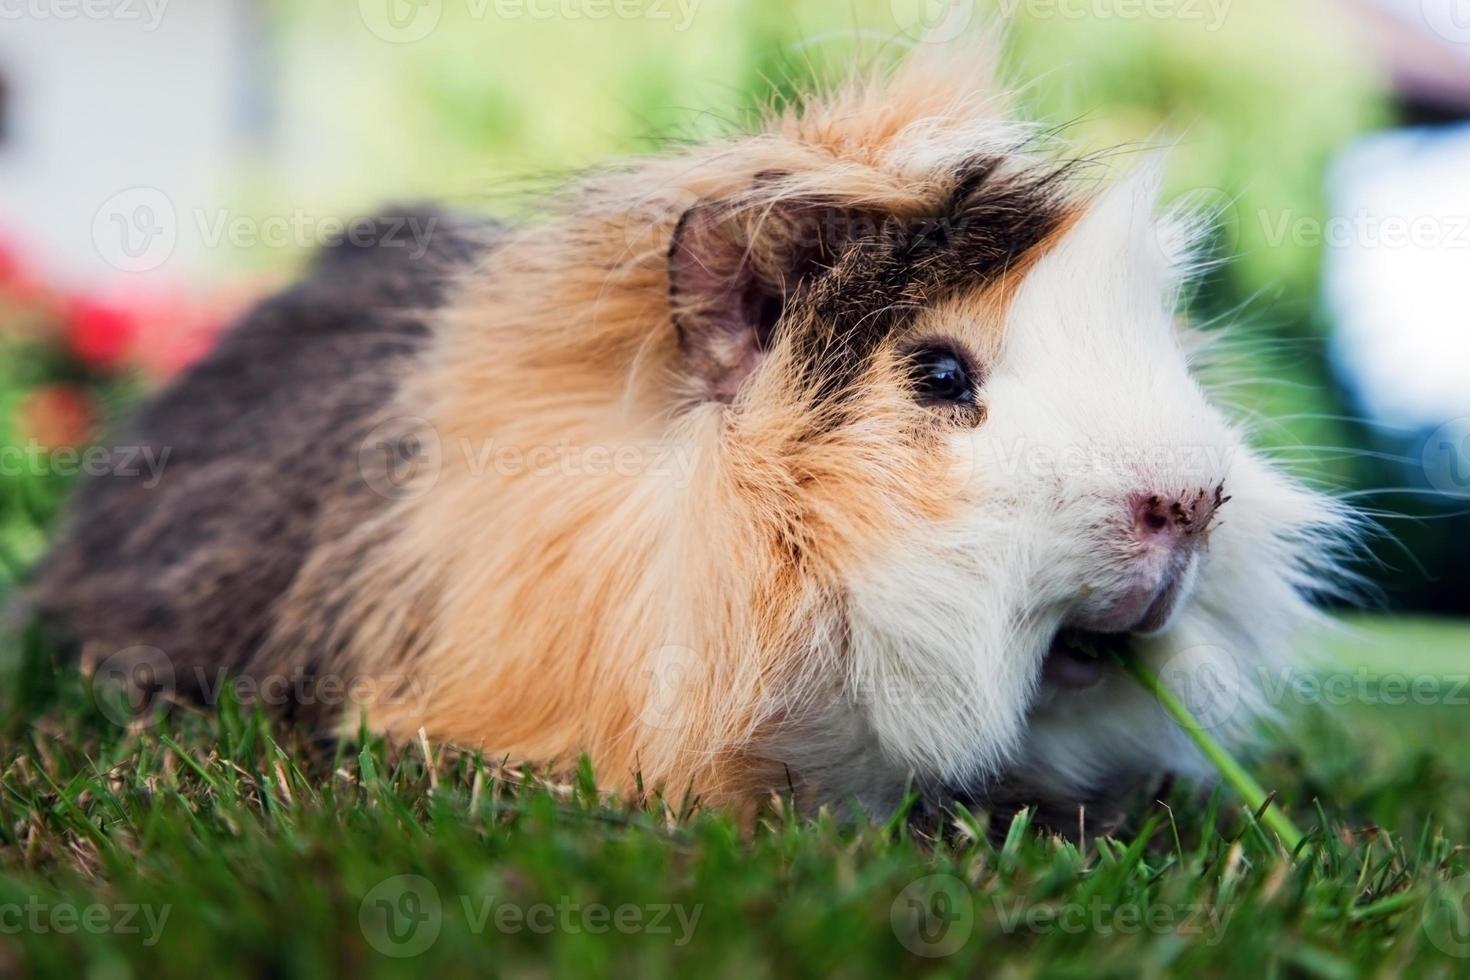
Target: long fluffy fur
[{"x": 821, "y": 583}]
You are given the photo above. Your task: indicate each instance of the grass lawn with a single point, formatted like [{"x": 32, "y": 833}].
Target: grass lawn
[{"x": 215, "y": 845}]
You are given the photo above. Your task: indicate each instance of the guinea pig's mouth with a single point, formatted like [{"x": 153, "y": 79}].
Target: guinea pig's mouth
[{"x": 1078, "y": 659}]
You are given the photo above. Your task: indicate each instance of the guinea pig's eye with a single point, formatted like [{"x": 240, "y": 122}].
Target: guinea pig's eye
[{"x": 940, "y": 374}]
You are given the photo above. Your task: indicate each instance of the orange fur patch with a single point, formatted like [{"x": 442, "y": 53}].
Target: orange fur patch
[{"x": 658, "y": 616}]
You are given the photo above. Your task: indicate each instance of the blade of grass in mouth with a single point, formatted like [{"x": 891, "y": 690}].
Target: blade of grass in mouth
[{"x": 1231, "y": 771}]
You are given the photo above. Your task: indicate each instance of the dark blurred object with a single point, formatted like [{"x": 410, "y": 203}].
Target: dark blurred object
[{"x": 1426, "y": 47}]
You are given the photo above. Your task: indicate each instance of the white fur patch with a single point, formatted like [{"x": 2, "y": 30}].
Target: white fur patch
[{"x": 1090, "y": 399}]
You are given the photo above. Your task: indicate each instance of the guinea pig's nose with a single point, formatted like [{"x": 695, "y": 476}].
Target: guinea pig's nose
[{"x": 1176, "y": 518}]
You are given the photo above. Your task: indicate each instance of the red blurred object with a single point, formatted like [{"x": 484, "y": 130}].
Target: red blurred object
[
  {"x": 10, "y": 268},
  {"x": 101, "y": 334},
  {"x": 56, "y": 416},
  {"x": 158, "y": 329},
  {"x": 161, "y": 332},
  {"x": 18, "y": 287},
  {"x": 176, "y": 330}
]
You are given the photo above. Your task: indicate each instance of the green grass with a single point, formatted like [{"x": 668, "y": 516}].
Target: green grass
[{"x": 218, "y": 845}]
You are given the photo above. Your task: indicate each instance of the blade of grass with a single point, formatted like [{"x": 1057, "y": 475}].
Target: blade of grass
[{"x": 1232, "y": 772}]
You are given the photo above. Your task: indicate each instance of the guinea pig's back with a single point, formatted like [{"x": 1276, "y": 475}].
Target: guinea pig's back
[{"x": 217, "y": 486}]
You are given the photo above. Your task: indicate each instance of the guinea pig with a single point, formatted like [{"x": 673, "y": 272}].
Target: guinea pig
[{"x": 835, "y": 458}]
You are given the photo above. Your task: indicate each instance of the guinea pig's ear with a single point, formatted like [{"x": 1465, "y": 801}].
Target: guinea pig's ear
[{"x": 733, "y": 268}]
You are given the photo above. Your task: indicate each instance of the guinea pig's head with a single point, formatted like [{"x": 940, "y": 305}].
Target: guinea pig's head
[{"x": 949, "y": 382}]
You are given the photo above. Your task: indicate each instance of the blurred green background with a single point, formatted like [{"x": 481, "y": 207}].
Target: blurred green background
[{"x": 334, "y": 110}]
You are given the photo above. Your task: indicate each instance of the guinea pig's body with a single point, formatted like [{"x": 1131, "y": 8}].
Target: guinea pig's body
[{"x": 816, "y": 459}]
